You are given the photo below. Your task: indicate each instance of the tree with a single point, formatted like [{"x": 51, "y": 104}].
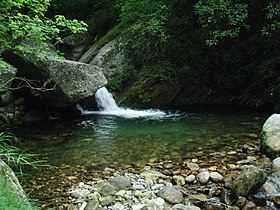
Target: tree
[
  {"x": 24, "y": 26},
  {"x": 144, "y": 27}
]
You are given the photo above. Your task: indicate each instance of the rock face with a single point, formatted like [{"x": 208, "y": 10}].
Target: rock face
[
  {"x": 75, "y": 45},
  {"x": 10, "y": 181},
  {"x": 249, "y": 181},
  {"x": 270, "y": 142},
  {"x": 72, "y": 80},
  {"x": 110, "y": 58},
  {"x": 7, "y": 72}
]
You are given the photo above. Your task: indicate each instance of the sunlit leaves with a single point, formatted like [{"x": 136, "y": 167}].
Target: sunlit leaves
[
  {"x": 23, "y": 22},
  {"x": 222, "y": 18},
  {"x": 273, "y": 16}
]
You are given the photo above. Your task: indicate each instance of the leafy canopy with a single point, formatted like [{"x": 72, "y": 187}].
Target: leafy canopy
[
  {"x": 23, "y": 24},
  {"x": 222, "y": 18},
  {"x": 144, "y": 21}
]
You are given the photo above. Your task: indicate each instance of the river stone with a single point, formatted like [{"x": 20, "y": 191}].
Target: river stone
[
  {"x": 276, "y": 167},
  {"x": 106, "y": 201},
  {"x": 108, "y": 189},
  {"x": 269, "y": 188},
  {"x": 190, "y": 179},
  {"x": 156, "y": 203},
  {"x": 151, "y": 174},
  {"x": 80, "y": 193},
  {"x": 183, "y": 207},
  {"x": 171, "y": 195},
  {"x": 193, "y": 166},
  {"x": 270, "y": 141},
  {"x": 120, "y": 182},
  {"x": 249, "y": 181},
  {"x": 92, "y": 205},
  {"x": 203, "y": 177},
  {"x": 216, "y": 177},
  {"x": 179, "y": 180}
]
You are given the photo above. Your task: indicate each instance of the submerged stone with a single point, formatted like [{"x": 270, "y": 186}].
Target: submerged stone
[{"x": 249, "y": 181}]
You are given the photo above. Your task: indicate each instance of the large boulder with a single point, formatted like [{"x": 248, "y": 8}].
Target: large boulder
[
  {"x": 75, "y": 45},
  {"x": 249, "y": 181},
  {"x": 270, "y": 141},
  {"x": 10, "y": 183},
  {"x": 7, "y": 72},
  {"x": 110, "y": 57},
  {"x": 67, "y": 81}
]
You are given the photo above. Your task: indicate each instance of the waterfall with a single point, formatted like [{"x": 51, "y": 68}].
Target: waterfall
[
  {"x": 105, "y": 100},
  {"x": 108, "y": 106}
]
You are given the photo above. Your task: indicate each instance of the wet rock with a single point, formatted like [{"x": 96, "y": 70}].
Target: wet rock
[
  {"x": 216, "y": 177},
  {"x": 270, "y": 141},
  {"x": 214, "y": 191},
  {"x": 203, "y": 177},
  {"x": 190, "y": 179},
  {"x": 249, "y": 205},
  {"x": 225, "y": 196},
  {"x": 156, "y": 203},
  {"x": 249, "y": 181},
  {"x": 276, "y": 167},
  {"x": 151, "y": 174},
  {"x": 269, "y": 187},
  {"x": 183, "y": 207},
  {"x": 193, "y": 166},
  {"x": 80, "y": 193},
  {"x": 108, "y": 189},
  {"x": 241, "y": 202},
  {"x": 179, "y": 180},
  {"x": 92, "y": 205},
  {"x": 171, "y": 195},
  {"x": 120, "y": 182},
  {"x": 276, "y": 201},
  {"x": 138, "y": 207},
  {"x": 168, "y": 166},
  {"x": 106, "y": 201}
]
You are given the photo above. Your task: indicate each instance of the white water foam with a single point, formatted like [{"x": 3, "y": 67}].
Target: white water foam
[{"x": 108, "y": 106}]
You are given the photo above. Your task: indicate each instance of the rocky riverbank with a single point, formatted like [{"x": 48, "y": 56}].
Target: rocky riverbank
[{"x": 201, "y": 180}]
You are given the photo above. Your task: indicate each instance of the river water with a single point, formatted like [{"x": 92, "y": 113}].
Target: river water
[{"x": 99, "y": 140}]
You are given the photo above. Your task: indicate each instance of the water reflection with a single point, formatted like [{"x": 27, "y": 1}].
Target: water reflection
[{"x": 104, "y": 139}]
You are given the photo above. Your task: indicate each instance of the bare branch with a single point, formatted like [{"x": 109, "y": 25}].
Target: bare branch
[{"x": 27, "y": 83}]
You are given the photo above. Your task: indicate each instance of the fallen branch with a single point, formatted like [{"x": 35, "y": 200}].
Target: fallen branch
[{"x": 27, "y": 83}]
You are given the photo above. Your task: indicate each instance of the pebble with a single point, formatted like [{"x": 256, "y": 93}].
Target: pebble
[
  {"x": 193, "y": 166},
  {"x": 216, "y": 177},
  {"x": 179, "y": 180},
  {"x": 203, "y": 177},
  {"x": 190, "y": 179}
]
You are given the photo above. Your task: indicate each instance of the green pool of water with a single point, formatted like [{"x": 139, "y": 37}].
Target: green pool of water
[{"x": 100, "y": 140}]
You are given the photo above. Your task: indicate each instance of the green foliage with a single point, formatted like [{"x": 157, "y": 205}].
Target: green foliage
[
  {"x": 9, "y": 201},
  {"x": 268, "y": 67},
  {"x": 14, "y": 156},
  {"x": 221, "y": 18},
  {"x": 23, "y": 23},
  {"x": 273, "y": 16},
  {"x": 163, "y": 69},
  {"x": 144, "y": 24}
]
